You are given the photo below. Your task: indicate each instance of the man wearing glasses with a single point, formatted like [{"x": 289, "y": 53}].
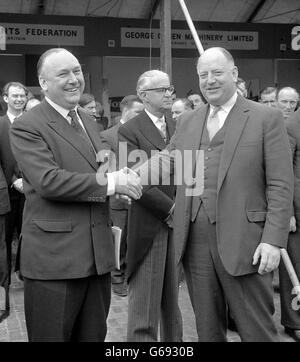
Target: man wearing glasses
[{"x": 151, "y": 272}]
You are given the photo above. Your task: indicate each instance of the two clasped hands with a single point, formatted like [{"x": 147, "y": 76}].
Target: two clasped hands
[{"x": 127, "y": 184}]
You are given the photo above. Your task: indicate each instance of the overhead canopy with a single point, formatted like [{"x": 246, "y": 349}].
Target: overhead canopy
[{"x": 260, "y": 11}]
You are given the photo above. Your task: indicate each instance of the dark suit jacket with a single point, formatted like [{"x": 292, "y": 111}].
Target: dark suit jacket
[
  {"x": 293, "y": 128},
  {"x": 10, "y": 167},
  {"x": 66, "y": 226},
  {"x": 255, "y": 182},
  {"x": 145, "y": 214},
  {"x": 4, "y": 199}
]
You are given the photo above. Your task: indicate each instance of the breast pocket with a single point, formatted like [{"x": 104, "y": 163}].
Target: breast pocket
[{"x": 64, "y": 226}]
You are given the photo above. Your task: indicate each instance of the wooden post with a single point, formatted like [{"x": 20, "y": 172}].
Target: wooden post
[{"x": 165, "y": 37}]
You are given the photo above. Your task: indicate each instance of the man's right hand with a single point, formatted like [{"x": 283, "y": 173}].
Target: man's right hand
[{"x": 127, "y": 182}]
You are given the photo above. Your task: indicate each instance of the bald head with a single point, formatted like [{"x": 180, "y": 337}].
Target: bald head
[
  {"x": 61, "y": 77},
  {"x": 287, "y": 100},
  {"x": 217, "y": 75}
]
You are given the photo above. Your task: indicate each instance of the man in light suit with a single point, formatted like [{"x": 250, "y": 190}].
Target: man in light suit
[
  {"x": 67, "y": 249},
  {"x": 229, "y": 233},
  {"x": 130, "y": 106},
  {"x": 151, "y": 272}
]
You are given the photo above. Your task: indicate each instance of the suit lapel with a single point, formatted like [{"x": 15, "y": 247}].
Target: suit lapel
[
  {"x": 149, "y": 130},
  {"x": 237, "y": 120},
  {"x": 60, "y": 125}
]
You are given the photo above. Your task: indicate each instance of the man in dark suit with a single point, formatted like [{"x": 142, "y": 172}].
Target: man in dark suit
[
  {"x": 151, "y": 272},
  {"x": 4, "y": 277},
  {"x": 231, "y": 216},
  {"x": 15, "y": 96},
  {"x": 131, "y": 106},
  {"x": 67, "y": 250},
  {"x": 290, "y": 318}
]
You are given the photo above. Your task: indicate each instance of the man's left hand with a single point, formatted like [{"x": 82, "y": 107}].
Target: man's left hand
[{"x": 269, "y": 257}]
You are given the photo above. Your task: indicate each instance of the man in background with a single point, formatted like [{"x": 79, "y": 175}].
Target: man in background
[
  {"x": 179, "y": 106},
  {"x": 15, "y": 96},
  {"x": 131, "y": 106},
  {"x": 268, "y": 97},
  {"x": 287, "y": 101},
  {"x": 4, "y": 275},
  {"x": 151, "y": 270}
]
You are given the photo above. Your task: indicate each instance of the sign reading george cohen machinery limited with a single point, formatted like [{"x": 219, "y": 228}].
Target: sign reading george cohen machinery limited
[
  {"x": 43, "y": 34},
  {"x": 180, "y": 38}
]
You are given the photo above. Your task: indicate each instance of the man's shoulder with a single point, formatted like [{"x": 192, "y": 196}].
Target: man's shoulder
[{"x": 133, "y": 122}]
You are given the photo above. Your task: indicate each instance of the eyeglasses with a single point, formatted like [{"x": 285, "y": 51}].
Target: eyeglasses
[{"x": 170, "y": 89}]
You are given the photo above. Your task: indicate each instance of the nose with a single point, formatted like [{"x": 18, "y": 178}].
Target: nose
[
  {"x": 210, "y": 78},
  {"x": 72, "y": 78}
]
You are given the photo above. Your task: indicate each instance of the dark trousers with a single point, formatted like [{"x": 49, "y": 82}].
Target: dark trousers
[
  {"x": 249, "y": 297},
  {"x": 13, "y": 223},
  {"x": 289, "y": 317},
  {"x": 119, "y": 218},
  {"x": 67, "y": 310},
  {"x": 4, "y": 278}
]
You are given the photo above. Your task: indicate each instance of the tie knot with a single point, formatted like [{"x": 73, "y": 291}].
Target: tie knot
[
  {"x": 72, "y": 113},
  {"x": 215, "y": 110}
]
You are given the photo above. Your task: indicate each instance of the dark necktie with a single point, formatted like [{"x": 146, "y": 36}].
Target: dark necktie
[{"x": 79, "y": 129}]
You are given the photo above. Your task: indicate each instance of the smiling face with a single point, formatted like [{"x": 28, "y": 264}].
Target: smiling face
[
  {"x": 217, "y": 76},
  {"x": 15, "y": 99},
  {"x": 61, "y": 79}
]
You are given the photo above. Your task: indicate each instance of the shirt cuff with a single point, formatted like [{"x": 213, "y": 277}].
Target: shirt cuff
[{"x": 110, "y": 184}]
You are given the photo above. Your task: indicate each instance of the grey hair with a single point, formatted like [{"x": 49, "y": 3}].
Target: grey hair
[{"x": 145, "y": 79}]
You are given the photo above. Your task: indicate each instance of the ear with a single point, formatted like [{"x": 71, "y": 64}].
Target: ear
[
  {"x": 43, "y": 83},
  {"x": 235, "y": 73},
  {"x": 142, "y": 95},
  {"x": 5, "y": 98}
]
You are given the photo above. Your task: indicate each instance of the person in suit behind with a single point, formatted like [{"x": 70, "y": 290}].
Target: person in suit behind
[
  {"x": 179, "y": 106},
  {"x": 15, "y": 96},
  {"x": 232, "y": 215},
  {"x": 290, "y": 318},
  {"x": 287, "y": 101},
  {"x": 151, "y": 272},
  {"x": 131, "y": 106},
  {"x": 4, "y": 275},
  {"x": 268, "y": 97},
  {"x": 67, "y": 249},
  {"x": 102, "y": 121}
]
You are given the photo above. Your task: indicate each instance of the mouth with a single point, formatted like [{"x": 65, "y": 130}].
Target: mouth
[
  {"x": 72, "y": 90},
  {"x": 212, "y": 90}
]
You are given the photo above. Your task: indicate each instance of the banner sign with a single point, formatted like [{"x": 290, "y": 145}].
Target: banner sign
[
  {"x": 43, "y": 34},
  {"x": 180, "y": 38}
]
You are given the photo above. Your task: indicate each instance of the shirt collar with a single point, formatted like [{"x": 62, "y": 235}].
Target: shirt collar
[
  {"x": 154, "y": 119},
  {"x": 226, "y": 107},
  {"x": 64, "y": 112},
  {"x": 12, "y": 117}
]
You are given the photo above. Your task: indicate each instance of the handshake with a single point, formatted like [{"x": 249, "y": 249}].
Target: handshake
[{"x": 127, "y": 184}]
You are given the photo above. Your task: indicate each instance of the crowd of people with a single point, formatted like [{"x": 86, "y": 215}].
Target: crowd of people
[{"x": 65, "y": 181}]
